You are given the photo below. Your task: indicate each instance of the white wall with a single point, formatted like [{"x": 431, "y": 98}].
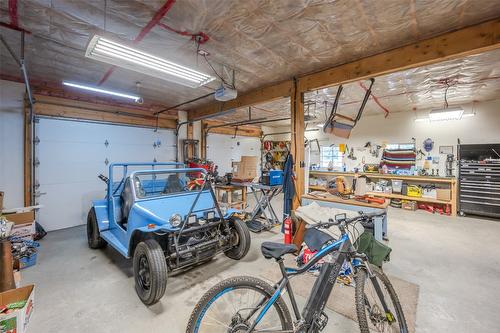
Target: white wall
[
  {"x": 11, "y": 143},
  {"x": 400, "y": 127},
  {"x": 224, "y": 149}
]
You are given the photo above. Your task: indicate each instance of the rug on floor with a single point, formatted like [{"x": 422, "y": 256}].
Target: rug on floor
[{"x": 407, "y": 293}]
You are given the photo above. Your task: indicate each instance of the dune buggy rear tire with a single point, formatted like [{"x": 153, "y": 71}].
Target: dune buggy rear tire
[
  {"x": 93, "y": 235},
  {"x": 240, "y": 231},
  {"x": 150, "y": 271}
]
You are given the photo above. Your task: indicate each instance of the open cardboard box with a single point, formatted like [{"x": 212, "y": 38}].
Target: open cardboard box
[
  {"x": 17, "y": 321},
  {"x": 24, "y": 224}
]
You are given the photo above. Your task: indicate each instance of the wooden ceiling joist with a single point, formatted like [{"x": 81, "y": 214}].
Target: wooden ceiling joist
[
  {"x": 266, "y": 94},
  {"x": 67, "y": 108},
  {"x": 452, "y": 45}
]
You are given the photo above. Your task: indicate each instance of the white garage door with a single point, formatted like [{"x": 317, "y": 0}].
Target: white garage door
[
  {"x": 71, "y": 154},
  {"x": 224, "y": 149}
]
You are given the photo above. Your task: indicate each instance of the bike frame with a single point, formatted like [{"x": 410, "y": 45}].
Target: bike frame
[{"x": 322, "y": 288}]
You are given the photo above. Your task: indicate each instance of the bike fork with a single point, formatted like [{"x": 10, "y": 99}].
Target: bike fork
[{"x": 380, "y": 294}]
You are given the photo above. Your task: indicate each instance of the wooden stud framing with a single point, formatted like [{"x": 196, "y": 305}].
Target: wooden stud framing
[{"x": 266, "y": 94}]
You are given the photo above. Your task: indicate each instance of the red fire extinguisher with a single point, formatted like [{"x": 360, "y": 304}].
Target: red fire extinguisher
[{"x": 288, "y": 230}]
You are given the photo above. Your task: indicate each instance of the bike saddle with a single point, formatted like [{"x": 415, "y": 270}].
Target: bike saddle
[{"x": 276, "y": 250}]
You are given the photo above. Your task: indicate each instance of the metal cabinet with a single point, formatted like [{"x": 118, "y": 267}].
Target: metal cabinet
[{"x": 479, "y": 179}]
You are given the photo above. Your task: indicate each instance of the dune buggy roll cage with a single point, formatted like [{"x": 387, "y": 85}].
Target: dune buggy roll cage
[{"x": 179, "y": 169}]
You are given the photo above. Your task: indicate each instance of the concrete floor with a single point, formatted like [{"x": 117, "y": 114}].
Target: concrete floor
[{"x": 455, "y": 261}]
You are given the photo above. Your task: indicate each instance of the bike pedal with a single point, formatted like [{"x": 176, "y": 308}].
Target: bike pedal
[{"x": 321, "y": 321}]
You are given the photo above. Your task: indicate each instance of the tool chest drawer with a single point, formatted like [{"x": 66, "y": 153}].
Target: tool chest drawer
[{"x": 479, "y": 179}]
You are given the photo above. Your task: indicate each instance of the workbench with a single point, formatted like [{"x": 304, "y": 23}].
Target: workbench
[
  {"x": 332, "y": 201},
  {"x": 234, "y": 199},
  {"x": 449, "y": 182}
]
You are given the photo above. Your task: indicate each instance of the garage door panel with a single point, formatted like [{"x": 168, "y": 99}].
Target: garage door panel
[
  {"x": 72, "y": 154},
  {"x": 67, "y": 205},
  {"x": 72, "y": 131}
]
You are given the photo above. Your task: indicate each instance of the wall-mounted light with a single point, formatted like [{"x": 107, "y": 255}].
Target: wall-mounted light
[
  {"x": 120, "y": 55},
  {"x": 137, "y": 99}
]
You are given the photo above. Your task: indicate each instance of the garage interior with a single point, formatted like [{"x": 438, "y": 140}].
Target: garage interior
[{"x": 259, "y": 120}]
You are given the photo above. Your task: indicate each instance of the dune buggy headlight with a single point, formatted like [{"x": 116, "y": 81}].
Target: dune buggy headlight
[
  {"x": 210, "y": 215},
  {"x": 192, "y": 219},
  {"x": 175, "y": 220}
]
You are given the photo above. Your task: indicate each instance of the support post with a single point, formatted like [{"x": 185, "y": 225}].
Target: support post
[
  {"x": 190, "y": 148},
  {"x": 203, "y": 148},
  {"x": 297, "y": 111},
  {"x": 28, "y": 160}
]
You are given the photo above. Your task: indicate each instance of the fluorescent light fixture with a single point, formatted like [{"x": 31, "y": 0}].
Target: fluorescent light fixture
[
  {"x": 136, "y": 99},
  {"x": 454, "y": 113},
  {"x": 421, "y": 119},
  {"x": 120, "y": 55}
]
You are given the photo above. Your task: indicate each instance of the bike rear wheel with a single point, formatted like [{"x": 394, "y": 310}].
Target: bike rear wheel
[
  {"x": 234, "y": 304},
  {"x": 371, "y": 314}
]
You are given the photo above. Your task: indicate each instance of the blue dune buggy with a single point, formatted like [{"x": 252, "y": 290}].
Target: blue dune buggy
[{"x": 167, "y": 218}]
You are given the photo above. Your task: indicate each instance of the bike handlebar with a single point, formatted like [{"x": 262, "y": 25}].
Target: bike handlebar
[{"x": 362, "y": 217}]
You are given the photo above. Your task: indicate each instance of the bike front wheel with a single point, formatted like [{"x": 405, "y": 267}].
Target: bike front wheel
[
  {"x": 369, "y": 305},
  {"x": 233, "y": 305}
]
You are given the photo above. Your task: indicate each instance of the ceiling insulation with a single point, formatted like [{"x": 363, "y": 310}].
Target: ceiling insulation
[
  {"x": 472, "y": 79},
  {"x": 265, "y": 41}
]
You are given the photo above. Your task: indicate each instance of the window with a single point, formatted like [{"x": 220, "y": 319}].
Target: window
[
  {"x": 331, "y": 154},
  {"x": 400, "y": 146}
]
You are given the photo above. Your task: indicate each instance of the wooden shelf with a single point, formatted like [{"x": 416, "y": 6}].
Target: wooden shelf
[
  {"x": 450, "y": 182},
  {"x": 317, "y": 188},
  {"x": 406, "y": 197},
  {"x": 422, "y": 179}
]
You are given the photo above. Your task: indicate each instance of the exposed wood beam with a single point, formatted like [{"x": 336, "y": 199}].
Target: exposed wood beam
[
  {"x": 243, "y": 130},
  {"x": 456, "y": 44},
  {"x": 266, "y": 94},
  {"x": 460, "y": 43},
  {"x": 98, "y": 105},
  {"x": 297, "y": 144},
  {"x": 65, "y": 108}
]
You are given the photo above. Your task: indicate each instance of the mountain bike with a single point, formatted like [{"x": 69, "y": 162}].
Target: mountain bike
[{"x": 248, "y": 304}]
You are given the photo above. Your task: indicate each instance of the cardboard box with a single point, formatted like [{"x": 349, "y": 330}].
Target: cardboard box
[
  {"x": 21, "y": 218},
  {"x": 24, "y": 224},
  {"x": 246, "y": 168},
  {"x": 443, "y": 194},
  {"x": 409, "y": 205},
  {"x": 429, "y": 193},
  {"x": 17, "y": 321}
]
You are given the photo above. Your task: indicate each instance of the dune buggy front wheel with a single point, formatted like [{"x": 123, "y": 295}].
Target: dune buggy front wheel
[
  {"x": 240, "y": 238},
  {"x": 150, "y": 271},
  {"x": 93, "y": 235}
]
